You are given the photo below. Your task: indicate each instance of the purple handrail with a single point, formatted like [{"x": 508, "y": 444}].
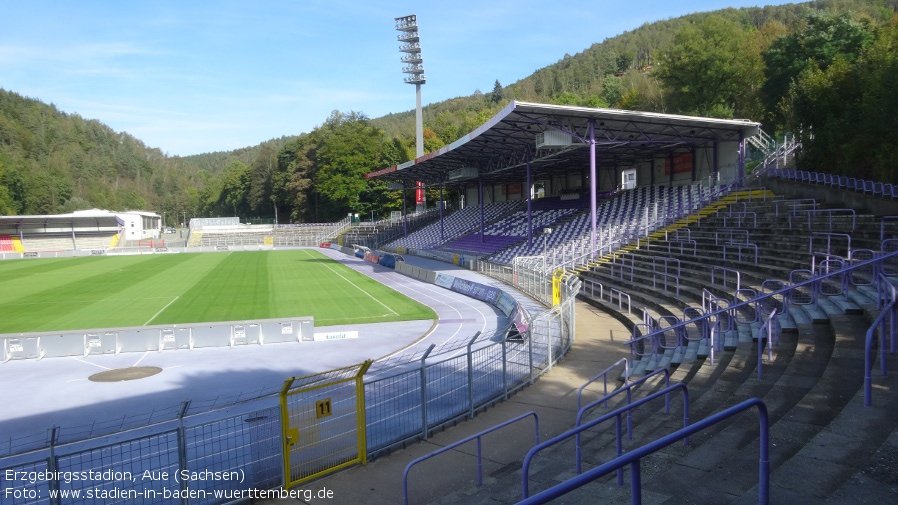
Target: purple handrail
[
  {"x": 780, "y": 292},
  {"x": 462, "y": 441},
  {"x": 616, "y": 414},
  {"x": 772, "y": 340},
  {"x": 879, "y": 322},
  {"x": 632, "y": 458},
  {"x": 604, "y": 376},
  {"x": 581, "y": 411}
]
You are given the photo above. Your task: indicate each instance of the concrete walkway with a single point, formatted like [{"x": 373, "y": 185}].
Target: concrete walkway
[{"x": 446, "y": 477}]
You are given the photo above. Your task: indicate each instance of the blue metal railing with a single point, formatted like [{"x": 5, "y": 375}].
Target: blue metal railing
[
  {"x": 648, "y": 338},
  {"x": 626, "y": 388},
  {"x": 476, "y": 437},
  {"x": 883, "y": 325},
  {"x": 604, "y": 376},
  {"x": 633, "y": 458},
  {"x": 583, "y": 427},
  {"x": 770, "y": 334}
]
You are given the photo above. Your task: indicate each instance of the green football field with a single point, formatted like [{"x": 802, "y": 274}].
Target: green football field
[{"x": 116, "y": 291}]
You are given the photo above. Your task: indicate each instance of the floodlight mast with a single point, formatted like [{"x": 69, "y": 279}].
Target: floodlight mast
[{"x": 411, "y": 47}]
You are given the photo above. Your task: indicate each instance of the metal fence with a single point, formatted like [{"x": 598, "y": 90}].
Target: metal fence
[{"x": 233, "y": 452}]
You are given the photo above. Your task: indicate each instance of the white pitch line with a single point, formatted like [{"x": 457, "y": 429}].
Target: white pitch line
[
  {"x": 141, "y": 358},
  {"x": 160, "y": 310},
  {"x": 360, "y": 289}
]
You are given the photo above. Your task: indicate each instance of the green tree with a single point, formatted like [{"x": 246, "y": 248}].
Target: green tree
[
  {"x": 703, "y": 71},
  {"x": 497, "y": 96},
  {"x": 234, "y": 188},
  {"x": 264, "y": 172},
  {"x": 824, "y": 39},
  {"x": 845, "y": 112}
]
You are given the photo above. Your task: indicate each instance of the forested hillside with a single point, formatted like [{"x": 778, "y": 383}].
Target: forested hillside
[{"x": 822, "y": 69}]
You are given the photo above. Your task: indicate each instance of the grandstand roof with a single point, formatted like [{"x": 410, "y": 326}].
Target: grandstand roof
[
  {"x": 499, "y": 149},
  {"x": 80, "y": 219}
]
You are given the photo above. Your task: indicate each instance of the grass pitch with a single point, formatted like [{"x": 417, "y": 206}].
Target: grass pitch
[{"x": 116, "y": 291}]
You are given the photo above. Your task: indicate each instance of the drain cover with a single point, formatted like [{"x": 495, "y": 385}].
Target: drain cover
[{"x": 125, "y": 374}]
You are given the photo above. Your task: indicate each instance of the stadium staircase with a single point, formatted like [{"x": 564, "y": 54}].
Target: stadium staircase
[{"x": 825, "y": 445}]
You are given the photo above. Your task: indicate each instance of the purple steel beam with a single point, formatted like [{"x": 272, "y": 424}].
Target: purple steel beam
[
  {"x": 592, "y": 183},
  {"x": 694, "y": 163},
  {"x": 480, "y": 197},
  {"x": 670, "y": 162},
  {"x": 715, "y": 169},
  {"x": 529, "y": 210}
]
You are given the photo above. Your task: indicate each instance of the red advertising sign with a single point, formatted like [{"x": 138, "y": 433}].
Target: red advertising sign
[{"x": 682, "y": 164}]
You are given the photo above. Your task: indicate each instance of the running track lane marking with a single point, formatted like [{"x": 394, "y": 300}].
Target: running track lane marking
[{"x": 160, "y": 310}]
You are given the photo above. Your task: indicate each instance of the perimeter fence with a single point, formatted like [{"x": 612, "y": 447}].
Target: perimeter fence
[{"x": 231, "y": 449}]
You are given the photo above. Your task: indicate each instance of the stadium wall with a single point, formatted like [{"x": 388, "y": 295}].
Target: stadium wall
[{"x": 155, "y": 338}]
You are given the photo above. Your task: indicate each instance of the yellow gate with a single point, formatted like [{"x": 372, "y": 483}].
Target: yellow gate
[
  {"x": 557, "y": 277},
  {"x": 323, "y": 423}
]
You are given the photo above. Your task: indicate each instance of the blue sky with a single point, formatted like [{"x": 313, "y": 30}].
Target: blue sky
[{"x": 195, "y": 76}]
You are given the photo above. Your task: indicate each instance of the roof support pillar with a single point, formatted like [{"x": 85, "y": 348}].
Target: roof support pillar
[
  {"x": 404, "y": 213},
  {"x": 529, "y": 209},
  {"x": 741, "y": 175},
  {"x": 694, "y": 163},
  {"x": 670, "y": 167},
  {"x": 480, "y": 197},
  {"x": 715, "y": 168},
  {"x": 592, "y": 183},
  {"x": 442, "y": 232}
]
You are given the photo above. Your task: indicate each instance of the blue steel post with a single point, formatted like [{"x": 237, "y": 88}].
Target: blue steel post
[
  {"x": 424, "y": 392},
  {"x": 471, "y": 376},
  {"x": 741, "y": 168},
  {"x": 52, "y": 466},
  {"x": 182, "y": 449},
  {"x": 504, "y": 370}
]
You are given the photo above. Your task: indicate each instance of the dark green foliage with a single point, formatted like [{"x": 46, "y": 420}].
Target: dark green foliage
[{"x": 846, "y": 109}]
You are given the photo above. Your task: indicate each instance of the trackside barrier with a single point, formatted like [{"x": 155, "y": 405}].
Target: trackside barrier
[
  {"x": 633, "y": 458},
  {"x": 615, "y": 414},
  {"x": 155, "y": 338},
  {"x": 465, "y": 440}
]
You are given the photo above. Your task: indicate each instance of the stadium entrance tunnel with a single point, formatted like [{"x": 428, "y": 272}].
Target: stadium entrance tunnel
[{"x": 125, "y": 374}]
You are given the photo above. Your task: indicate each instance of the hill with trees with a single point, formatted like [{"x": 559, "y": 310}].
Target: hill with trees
[{"x": 820, "y": 69}]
